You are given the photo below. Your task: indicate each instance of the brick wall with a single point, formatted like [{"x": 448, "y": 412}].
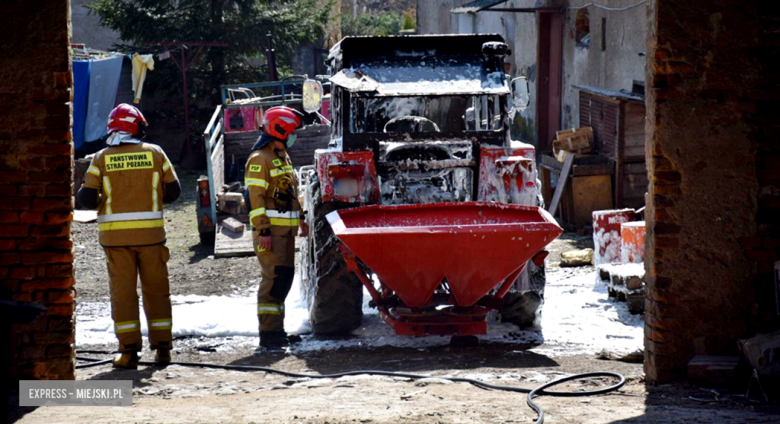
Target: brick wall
[
  {"x": 35, "y": 183},
  {"x": 714, "y": 178}
]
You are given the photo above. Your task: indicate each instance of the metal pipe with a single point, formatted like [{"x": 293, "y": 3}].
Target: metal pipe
[
  {"x": 352, "y": 266},
  {"x": 212, "y": 121},
  {"x": 524, "y": 9},
  {"x": 186, "y": 101}
]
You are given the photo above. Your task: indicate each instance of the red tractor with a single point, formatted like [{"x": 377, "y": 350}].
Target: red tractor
[{"x": 422, "y": 198}]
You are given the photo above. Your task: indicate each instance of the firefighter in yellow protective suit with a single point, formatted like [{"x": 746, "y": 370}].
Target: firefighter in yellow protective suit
[
  {"x": 128, "y": 182},
  {"x": 275, "y": 214}
]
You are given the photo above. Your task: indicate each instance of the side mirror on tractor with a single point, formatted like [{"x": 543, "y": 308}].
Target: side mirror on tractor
[
  {"x": 521, "y": 94},
  {"x": 312, "y": 95}
]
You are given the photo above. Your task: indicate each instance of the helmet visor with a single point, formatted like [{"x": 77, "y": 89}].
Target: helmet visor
[{"x": 291, "y": 139}]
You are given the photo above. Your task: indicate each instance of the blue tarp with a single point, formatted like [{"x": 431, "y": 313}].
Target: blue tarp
[
  {"x": 80, "y": 91},
  {"x": 103, "y": 83}
]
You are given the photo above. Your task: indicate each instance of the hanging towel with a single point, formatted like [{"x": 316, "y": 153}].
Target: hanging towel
[
  {"x": 80, "y": 92},
  {"x": 140, "y": 64},
  {"x": 103, "y": 83}
]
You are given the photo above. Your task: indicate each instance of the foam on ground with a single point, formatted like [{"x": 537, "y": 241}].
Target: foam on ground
[{"x": 577, "y": 317}]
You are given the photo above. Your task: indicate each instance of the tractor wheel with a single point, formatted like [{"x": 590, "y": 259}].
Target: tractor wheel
[
  {"x": 207, "y": 238},
  {"x": 523, "y": 304},
  {"x": 334, "y": 294}
]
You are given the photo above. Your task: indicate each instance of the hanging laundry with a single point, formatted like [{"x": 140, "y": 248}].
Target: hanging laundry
[
  {"x": 80, "y": 92},
  {"x": 140, "y": 65},
  {"x": 103, "y": 83}
]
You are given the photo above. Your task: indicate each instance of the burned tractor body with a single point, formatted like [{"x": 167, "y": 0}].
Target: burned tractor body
[{"x": 420, "y": 123}]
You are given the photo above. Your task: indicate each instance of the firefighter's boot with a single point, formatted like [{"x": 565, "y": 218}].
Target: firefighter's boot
[
  {"x": 163, "y": 355},
  {"x": 273, "y": 340},
  {"x": 126, "y": 360}
]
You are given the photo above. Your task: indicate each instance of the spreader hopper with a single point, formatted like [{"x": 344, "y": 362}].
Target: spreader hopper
[{"x": 437, "y": 263}]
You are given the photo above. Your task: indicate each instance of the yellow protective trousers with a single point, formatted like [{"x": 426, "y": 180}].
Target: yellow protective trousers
[
  {"x": 278, "y": 271},
  {"x": 125, "y": 265}
]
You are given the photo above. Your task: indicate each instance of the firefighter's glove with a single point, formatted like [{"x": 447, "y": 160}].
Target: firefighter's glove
[
  {"x": 264, "y": 243},
  {"x": 284, "y": 195},
  {"x": 304, "y": 229}
]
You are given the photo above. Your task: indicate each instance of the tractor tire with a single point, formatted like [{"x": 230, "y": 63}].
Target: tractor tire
[
  {"x": 334, "y": 294},
  {"x": 523, "y": 304},
  {"x": 521, "y": 308}
]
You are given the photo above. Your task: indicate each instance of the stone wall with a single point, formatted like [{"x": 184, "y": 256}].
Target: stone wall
[
  {"x": 714, "y": 170},
  {"x": 35, "y": 183}
]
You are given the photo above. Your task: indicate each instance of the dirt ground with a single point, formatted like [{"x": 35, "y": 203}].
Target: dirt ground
[
  {"x": 178, "y": 394},
  {"x": 192, "y": 268}
]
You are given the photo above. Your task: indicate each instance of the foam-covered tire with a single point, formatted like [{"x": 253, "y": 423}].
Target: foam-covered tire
[
  {"x": 523, "y": 304},
  {"x": 334, "y": 294},
  {"x": 521, "y": 309}
]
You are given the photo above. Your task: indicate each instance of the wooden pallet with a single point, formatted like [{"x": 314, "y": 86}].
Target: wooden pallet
[
  {"x": 228, "y": 244},
  {"x": 624, "y": 286}
]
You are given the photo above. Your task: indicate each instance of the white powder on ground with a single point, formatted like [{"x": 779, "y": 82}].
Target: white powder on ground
[{"x": 577, "y": 317}]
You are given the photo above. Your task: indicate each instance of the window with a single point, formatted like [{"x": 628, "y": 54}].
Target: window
[
  {"x": 603, "y": 34},
  {"x": 582, "y": 28}
]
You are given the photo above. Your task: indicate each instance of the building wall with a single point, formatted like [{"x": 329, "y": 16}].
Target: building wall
[
  {"x": 87, "y": 30},
  {"x": 358, "y": 7},
  {"x": 310, "y": 57},
  {"x": 519, "y": 31},
  {"x": 615, "y": 67},
  {"x": 434, "y": 17},
  {"x": 714, "y": 168},
  {"x": 35, "y": 183}
]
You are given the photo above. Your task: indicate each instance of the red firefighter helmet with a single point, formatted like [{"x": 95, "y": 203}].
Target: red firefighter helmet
[
  {"x": 127, "y": 118},
  {"x": 279, "y": 122}
]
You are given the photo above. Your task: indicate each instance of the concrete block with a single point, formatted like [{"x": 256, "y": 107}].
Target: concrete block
[
  {"x": 233, "y": 225},
  {"x": 633, "y": 282},
  {"x": 230, "y": 203},
  {"x": 636, "y": 303},
  {"x": 604, "y": 274},
  {"x": 713, "y": 371}
]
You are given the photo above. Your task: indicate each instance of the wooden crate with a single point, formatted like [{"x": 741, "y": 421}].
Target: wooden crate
[
  {"x": 574, "y": 140},
  {"x": 588, "y": 188},
  {"x": 583, "y": 195}
]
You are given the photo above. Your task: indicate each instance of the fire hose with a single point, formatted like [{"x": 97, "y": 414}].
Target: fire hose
[{"x": 537, "y": 391}]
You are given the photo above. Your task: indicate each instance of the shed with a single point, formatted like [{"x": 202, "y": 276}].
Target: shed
[{"x": 618, "y": 121}]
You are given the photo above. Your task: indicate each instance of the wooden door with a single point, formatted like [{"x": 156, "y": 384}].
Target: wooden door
[{"x": 549, "y": 61}]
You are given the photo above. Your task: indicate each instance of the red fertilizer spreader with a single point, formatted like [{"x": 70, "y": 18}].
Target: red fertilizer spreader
[{"x": 441, "y": 267}]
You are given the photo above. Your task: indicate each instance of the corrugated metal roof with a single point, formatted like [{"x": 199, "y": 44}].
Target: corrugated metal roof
[
  {"x": 476, "y": 6},
  {"x": 619, "y": 95}
]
